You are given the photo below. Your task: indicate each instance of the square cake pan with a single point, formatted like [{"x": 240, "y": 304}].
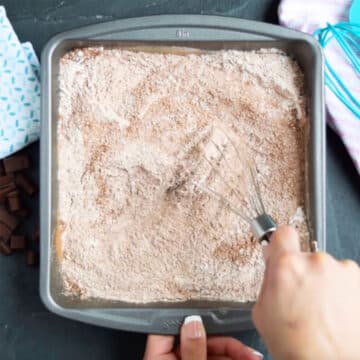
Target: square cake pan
[{"x": 163, "y": 32}]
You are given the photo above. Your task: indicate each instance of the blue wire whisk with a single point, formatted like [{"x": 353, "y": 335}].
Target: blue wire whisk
[{"x": 347, "y": 36}]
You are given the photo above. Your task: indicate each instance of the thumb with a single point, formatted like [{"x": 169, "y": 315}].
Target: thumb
[
  {"x": 193, "y": 339},
  {"x": 284, "y": 239}
]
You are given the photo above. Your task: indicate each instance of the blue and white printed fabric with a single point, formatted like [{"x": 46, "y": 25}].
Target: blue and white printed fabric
[{"x": 19, "y": 91}]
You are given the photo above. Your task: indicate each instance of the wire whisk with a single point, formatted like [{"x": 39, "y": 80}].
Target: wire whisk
[
  {"x": 347, "y": 37},
  {"x": 236, "y": 174}
]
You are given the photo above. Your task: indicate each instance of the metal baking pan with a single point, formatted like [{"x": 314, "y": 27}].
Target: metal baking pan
[{"x": 192, "y": 31}]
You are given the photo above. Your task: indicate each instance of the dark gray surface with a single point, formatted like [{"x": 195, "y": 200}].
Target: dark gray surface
[{"x": 27, "y": 330}]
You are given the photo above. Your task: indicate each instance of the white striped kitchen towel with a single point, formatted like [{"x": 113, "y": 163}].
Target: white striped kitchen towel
[
  {"x": 19, "y": 91},
  {"x": 308, "y": 16}
]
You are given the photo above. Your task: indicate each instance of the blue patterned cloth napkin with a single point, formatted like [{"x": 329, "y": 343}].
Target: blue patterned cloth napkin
[{"x": 19, "y": 91}]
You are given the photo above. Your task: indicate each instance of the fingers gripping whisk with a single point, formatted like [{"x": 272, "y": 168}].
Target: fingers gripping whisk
[{"x": 233, "y": 182}]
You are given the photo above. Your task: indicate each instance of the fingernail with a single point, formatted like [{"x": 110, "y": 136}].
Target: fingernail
[
  {"x": 265, "y": 251},
  {"x": 258, "y": 354},
  {"x": 193, "y": 327}
]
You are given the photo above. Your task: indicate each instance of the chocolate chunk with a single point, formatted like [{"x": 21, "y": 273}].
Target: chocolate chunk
[
  {"x": 7, "y": 219},
  {"x": 4, "y": 248},
  {"x": 6, "y": 180},
  {"x": 4, "y": 191},
  {"x": 6, "y": 185},
  {"x": 35, "y": 237},
  {"x": 17, "y": 242},
  {"x": 25, "y": 184},
  {"x": 5, "y": 232},
  {"x": 2, "y": 171},
  {"x": 31, "y": 258},
  {"x": 14, "y": 201},
  {"x": 16, "y": 163}
]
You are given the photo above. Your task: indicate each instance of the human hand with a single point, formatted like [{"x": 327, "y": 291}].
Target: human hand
[
  {"x": 195, "y": 346},
  {"x": 308, "y": 307}
]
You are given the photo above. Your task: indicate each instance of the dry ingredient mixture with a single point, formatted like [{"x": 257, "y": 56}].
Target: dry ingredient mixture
[{"x": 135, "y": 134}]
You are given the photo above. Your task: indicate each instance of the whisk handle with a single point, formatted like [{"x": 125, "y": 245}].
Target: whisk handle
[{"x": 262, "y": 227}]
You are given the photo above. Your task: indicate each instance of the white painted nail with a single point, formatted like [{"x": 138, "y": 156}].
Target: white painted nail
[
  {"x": 192, "y": 318},
  {"x": 193, "y": 328},
  {"x": 258, "y": 354}
]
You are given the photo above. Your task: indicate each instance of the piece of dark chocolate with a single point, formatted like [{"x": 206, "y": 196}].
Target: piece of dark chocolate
[
  {"x": 4, "y": 190},
  {"x": 14, "y": 201},
  {"x": 5, "y": 232},
  {"x": 16, "y": 163},
  {"x": 6, "y": 180},
  {"x": 31, "y": 258},
  {"x": 2, "y": 171},
  {"x": 5, "y": 248},
  {"x": 17, "y": 242},
  {"x": 25, "y": 184},
  {"x": 7, "y": 219}
]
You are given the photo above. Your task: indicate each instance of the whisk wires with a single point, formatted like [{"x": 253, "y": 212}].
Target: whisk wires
[
  {"x": 253, "y": 198},
  {"x": 347, "y": 36}
]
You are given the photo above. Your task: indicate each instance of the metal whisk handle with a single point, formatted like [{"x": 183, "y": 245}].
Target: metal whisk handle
[{"x": 263, "y": 226}]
